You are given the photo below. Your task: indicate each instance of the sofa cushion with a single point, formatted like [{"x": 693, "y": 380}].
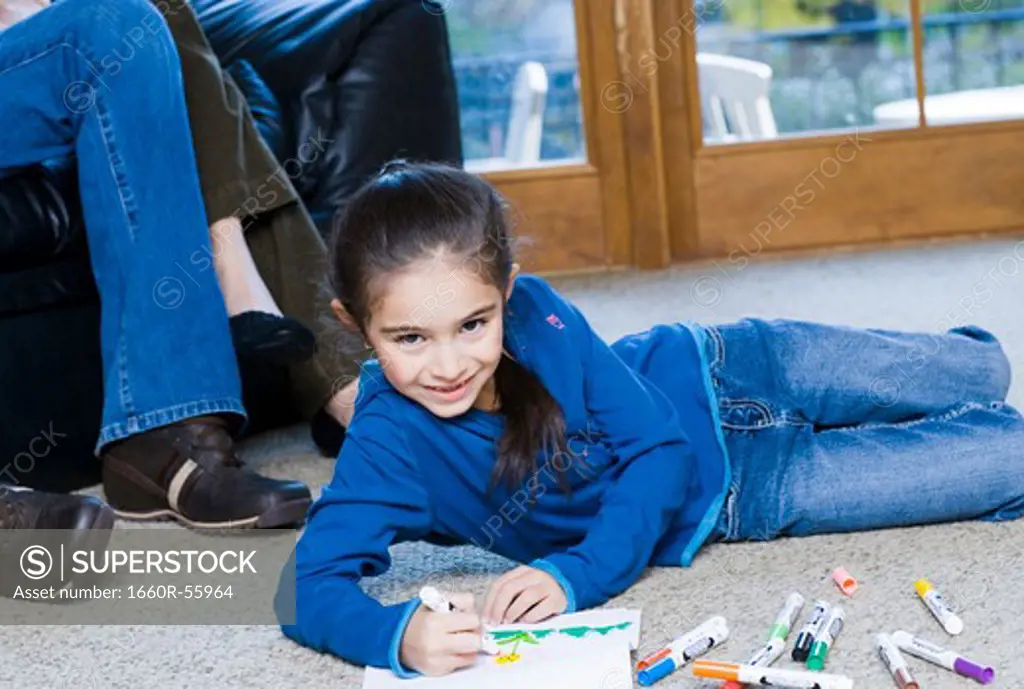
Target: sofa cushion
[
  {"x": 360, "y": 82},
  {"x": 40, "y": 219}
]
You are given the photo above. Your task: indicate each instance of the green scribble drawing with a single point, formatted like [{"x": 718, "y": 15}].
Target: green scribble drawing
[
  {"x": 533, "y": 636},
  {"x": 580, "y": 632},
  {"x": 515, "y": 638}
]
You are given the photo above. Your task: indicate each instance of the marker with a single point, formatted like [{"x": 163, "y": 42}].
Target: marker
[
  {"x": 684, "y": 641},
  {"x": 777, "y": 636},
  {"x": 895, "y": 662},
  {"x": 433, "y": 599},
  {"x": 811, "y": 628},
  {"x": 823, "y": 641},
  {"x": 436, "y": 602},
  {"x": 764, "y": 657},
  {"x": 937, "y": 604},
  {"x": 786, "y": 617},
  {"x": 680, "y": 657},
  {"x": 769, "y": 677},
  {"x": 951, "y": 660}
]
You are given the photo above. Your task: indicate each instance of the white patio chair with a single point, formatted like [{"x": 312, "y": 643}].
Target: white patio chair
[
  {"x": 525, "y": 123},
  {"x": 734, "y": 98}
]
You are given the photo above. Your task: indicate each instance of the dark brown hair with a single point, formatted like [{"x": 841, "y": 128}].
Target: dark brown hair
[{"x": 410, "y": 212}]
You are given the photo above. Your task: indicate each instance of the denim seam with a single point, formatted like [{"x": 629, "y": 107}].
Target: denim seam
[
  {"x": 131, "y": 220},
  {"x": 36, "y": 56},
  {"x": 165, "y": 417},
  {"x": 948, "y": 415},
  {"x": 710, "y": 518},
  {"x": 107, "y": 131},
  {"x": 719, "y": 346},
  {"x": 123, "y": 387}
]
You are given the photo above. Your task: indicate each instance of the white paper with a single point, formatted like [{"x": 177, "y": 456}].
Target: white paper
[{"x": 586, "y": 650}]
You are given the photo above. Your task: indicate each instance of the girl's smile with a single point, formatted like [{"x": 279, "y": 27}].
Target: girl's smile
[{"x": 451, "y": 393}]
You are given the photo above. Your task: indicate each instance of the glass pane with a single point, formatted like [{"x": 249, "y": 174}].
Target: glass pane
[
  {"x": 518, "y": 79},
  {"x": 973, "y": 60},
  {"x": 805, "y": 66}
]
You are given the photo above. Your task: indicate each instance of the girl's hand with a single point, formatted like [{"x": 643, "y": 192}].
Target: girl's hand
[
  {"x": 437, "y": 643},
  {"x": 525, "y": 594}
]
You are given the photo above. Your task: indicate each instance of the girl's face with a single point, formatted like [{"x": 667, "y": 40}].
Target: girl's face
[{"x": 437, "y": 331}]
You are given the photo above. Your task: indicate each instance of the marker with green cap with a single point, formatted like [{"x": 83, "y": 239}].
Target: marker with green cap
[
  {"x": 786, "y": 617},
  {"x": 823, "y": 642}
]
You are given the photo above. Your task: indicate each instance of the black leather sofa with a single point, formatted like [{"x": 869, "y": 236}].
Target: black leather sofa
[{"x": 373, "y": 80}]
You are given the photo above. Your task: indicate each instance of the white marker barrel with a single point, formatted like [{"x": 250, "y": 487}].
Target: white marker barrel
[{"x": 938, "y": 607}]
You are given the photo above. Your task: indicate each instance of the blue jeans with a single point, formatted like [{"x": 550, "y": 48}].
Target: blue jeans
[
  {"x": 101, "y": 80},
  {"x": 832, "y": 429}
]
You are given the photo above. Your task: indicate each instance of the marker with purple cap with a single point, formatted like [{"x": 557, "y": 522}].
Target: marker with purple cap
[{"x": 951, "y": 660}]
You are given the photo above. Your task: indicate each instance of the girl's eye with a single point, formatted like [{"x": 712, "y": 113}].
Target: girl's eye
[
  {"x": 407, "y": 340},
  {"x": 473, "y": 325}
]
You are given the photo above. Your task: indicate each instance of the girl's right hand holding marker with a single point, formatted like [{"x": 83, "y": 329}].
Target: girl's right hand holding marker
[{"x": 438, "y": 643}]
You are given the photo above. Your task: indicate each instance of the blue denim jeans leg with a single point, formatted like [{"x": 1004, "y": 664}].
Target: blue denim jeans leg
[
  {"x": 100, "y": 80},
  {"x": 833, "y": 429}
]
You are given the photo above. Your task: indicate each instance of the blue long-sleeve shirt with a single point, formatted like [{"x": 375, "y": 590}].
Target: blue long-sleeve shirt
[{"x": 646, "y": 465}]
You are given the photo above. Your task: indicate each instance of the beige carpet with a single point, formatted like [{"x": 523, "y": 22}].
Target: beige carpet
[{"x": 978, "y": 566}]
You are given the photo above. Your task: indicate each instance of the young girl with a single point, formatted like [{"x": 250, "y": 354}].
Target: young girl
[{"x": 495, "y": 415}]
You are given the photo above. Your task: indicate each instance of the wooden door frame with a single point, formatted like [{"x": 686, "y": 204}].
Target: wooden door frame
[
  {"x": 578, "y": 216},
  {"x": 736, "y": 200}
]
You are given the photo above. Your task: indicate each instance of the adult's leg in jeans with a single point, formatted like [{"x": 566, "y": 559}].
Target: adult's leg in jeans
[
  {"x": 833, "y": 376},
  {"x": 795, "y": 480},
  {"x": 101, "y": 79},
  {"x": 143, "y": 213}
]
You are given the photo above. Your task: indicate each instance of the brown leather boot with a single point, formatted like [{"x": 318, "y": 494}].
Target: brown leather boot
[
  {"x": 22, "y": 508},
  {"x": 34, "y": 520},
  {"x": 189, "y": 472}
]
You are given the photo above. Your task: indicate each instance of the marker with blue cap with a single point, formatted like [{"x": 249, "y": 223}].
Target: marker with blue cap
[{"x": 714, "y": 635}]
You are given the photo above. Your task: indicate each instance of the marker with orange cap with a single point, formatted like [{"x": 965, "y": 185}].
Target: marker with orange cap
[
  {"x": 937, "y": 604},
  {"x": 769, "y": 676}
]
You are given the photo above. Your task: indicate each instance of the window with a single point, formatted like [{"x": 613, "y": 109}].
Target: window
[
  {"x": 517, "y": 72},
  {"x": 770, "y": 68}
]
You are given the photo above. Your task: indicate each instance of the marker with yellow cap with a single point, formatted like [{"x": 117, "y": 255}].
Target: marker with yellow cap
[{"x": 937, "y": 605}]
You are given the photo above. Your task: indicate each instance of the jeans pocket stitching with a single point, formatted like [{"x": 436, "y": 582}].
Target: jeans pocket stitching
[
  {"x": 718, "y": 347},
  {"x": 768, "y": 416}
]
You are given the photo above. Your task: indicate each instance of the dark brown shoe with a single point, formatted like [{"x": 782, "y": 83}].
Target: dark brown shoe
[
  {"x": 47, "y": 522},
  {"x": 189, "y": 472},
  {"x": 33, "y": 509}
]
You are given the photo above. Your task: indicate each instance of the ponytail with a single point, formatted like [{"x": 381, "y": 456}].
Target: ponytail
[{"x": 534, "y": 422}]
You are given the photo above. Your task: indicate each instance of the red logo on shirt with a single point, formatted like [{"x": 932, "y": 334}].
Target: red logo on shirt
[{"x": 553, "y": 320}]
